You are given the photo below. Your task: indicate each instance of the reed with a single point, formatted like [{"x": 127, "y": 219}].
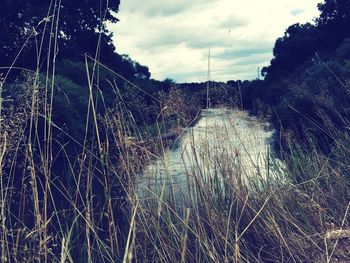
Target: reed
[{"x": 87, "y": 205}]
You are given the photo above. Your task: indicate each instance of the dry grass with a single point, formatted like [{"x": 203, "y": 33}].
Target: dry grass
[
  {"x": 86, "y": 208},
  {"x": 218, "y": 220}
]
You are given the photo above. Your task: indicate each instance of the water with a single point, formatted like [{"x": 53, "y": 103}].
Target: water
[{"x": 223, "y": 144}]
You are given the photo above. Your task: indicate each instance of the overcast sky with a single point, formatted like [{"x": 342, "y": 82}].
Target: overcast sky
[{"x": 172, "y": 37}]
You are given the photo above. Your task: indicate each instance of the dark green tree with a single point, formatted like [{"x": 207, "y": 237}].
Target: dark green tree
[
  {"x": 334, "y": 21},
  {"x": 334, "y": 11},
  {"x": 300, "y": 41},
  {"x": 80, "y": 26}
]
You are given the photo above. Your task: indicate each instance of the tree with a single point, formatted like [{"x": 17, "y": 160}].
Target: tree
[
  {"x": 334, "y": 11},
  {"x": 300, "y": 41},
  {"x": 334, "y": 21},
  {"x": 30, "y": 21}
]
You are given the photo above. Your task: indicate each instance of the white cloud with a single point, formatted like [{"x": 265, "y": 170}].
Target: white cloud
[{"x": 172, "y": 37}]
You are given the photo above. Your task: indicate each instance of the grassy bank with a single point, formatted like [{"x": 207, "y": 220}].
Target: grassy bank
[
  {"x": 84, "y": 207},
  {"x": 300, "y": 215},
  {"x": 75, "y": 137}
]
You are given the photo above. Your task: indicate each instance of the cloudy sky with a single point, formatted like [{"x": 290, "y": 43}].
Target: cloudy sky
[{"x": 172, "y": 37}]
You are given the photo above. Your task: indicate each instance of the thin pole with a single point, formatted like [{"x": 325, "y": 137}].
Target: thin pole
[
  {"x": 208, "y": 104},
  {"x": 208, "y": 79}
]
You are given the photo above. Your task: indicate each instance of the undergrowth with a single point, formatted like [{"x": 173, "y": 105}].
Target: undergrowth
[{"x": 65, "y": 199}]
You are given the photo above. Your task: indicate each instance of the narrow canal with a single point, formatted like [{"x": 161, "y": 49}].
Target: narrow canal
[{"x": 224, "y": 144}]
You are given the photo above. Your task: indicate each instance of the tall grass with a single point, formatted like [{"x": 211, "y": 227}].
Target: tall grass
[
  {"x": 55, "y": 207},
  {"x": 300, "y": 216}
]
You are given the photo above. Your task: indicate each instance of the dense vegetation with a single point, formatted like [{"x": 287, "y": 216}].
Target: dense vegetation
[
  {"x": 67, "y": 94},
  {"x": 307, "y": 79},
  {"x": 66, "y": 42},
  {"x": 78, "y": 122}
]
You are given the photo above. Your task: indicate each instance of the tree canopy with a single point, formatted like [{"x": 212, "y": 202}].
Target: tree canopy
[
  {"x": 302, "y": 41},
  {"x": 36, "y": 31},
  {"x": 78, "y": 24}
]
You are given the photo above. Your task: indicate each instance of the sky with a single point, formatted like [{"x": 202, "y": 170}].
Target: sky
[{"x": 173, "y": 37}]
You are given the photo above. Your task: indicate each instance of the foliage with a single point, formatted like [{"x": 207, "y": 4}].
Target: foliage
[
  {"x": 309, "y": 74},
  {"x": 33, "y": 20},
  {"x": 299, "y": 43},
  {"x": 74, "y": 138}
]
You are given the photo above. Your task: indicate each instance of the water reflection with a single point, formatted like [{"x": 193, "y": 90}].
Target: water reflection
[{"x": 223, "y": 143}]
